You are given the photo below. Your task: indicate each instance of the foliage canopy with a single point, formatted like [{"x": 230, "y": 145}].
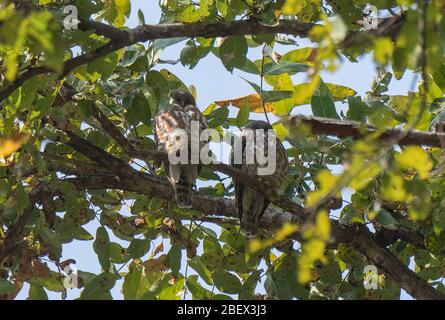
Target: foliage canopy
[{"x": 76, "y": 150}]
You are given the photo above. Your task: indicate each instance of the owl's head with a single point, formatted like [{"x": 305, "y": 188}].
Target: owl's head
[
  {"x": 258, "y": 124},
  {"x": 182, "y": 98}
]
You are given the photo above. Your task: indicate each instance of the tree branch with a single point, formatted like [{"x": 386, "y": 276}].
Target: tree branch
[
  {"x": 343, "y": 128},
  {"x": 121, "y": 38}
]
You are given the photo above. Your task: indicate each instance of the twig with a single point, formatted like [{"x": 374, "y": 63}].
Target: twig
[{"x": 261, "y": 85}]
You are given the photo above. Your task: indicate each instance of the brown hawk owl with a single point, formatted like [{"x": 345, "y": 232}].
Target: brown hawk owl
[
  {"x": 251, "y": 204},
  {"x": 180, "y": 115}
]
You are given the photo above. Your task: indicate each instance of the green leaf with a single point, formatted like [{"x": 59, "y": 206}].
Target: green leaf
[
  {"x": 103, "y": 67},
  {"x": 255, "y": 87},
  {"x": 192, "y": 53},
  {"x": 86, "y": 106},
  {"x": 243, "y": 116},
  {"x": 291, "y": 68},
  {"x": 37, "y": 293},
  {"x": 138, "y": 109},
  {"x": 272, "y": 96},
  {"x": 138, "y": 247},
  {"x": 118, "y": 254},
  {"x": 52, "y": 240},
  {"x": 132, "y": 283},
  {"x": 172, "y": 292},
  {"x": 323, "y": 106},
  {"x": 190, "y": 14},
  {"x": 141, "y": 18},
  {"x": 102, "y": 248},
  {"x": 385, "y": 219},
  {"x": 438, "y": 216},
  {"x": 250, "y": 284},
  {"x": 99, "y": 287},
  {"x": 25, "y": 95},
  {"x": 226, "y": 282},
  {"x": 250, "y": 67},
  {"x": 208, "y": 174},
  {"x": 161, "y": 44},
  {"x": 174, "y": 259},
  {"x": 197, "y": 265},
  {"x": 158, "y": 84},
  {"x": 52, "y": 283},
  {"x": 197, "y": 291},
  {"x": 22, "y": 198},
  {"x": 233, "y": 52},
  {"x": 270, "y": 286},
  {"x": 322, "y": 103},
  {"x": 356, "y": 110},
  {"x": 6, "y": 286}
]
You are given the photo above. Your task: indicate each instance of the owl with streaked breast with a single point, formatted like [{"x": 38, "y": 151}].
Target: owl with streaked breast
[
  {"x": 175, "y": 119},
  {"x": 255, "y": 143}
]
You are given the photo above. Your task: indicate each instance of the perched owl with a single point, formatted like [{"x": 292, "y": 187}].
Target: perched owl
[
  {"x": 180, "y": 115},
  {"x": 254, "y": 142}
]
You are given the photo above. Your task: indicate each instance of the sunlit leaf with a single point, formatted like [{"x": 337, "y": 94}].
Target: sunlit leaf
[
  {"x": 416, "y": 158},
  {"x": 12, "y": 144}
]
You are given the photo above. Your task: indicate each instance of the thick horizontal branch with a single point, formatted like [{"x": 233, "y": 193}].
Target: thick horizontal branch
[
  {"x": 385, "y": 237},
  {"x": 388, "y": 27},
  {"x": 121, "y": 38},
  {"x": 343, "y": 128}
]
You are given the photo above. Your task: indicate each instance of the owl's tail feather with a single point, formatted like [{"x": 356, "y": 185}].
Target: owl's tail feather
[
  {"x": 183, "y": 194},
  {"x": 254, "y": 206},
  {"x": 249, "y": 227}
]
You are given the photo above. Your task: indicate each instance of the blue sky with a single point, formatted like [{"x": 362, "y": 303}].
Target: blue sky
[{"x": 214, "y": 82}]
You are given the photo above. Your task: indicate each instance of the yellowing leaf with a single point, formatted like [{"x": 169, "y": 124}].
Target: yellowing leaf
[
  {"x": 323, "y": 225},
  {"x": 292, "y": 7},
  {"x": 364, "y": 177},
  {"x": 298, "y": 55},
  {"x": 416, "y": 158},
  {"x": 190, "y": 14},
  {"x": 383, "y": 50},
  {"x": 280, "y": 130},
  {"x": 209, "y": 109},
  {"x": 123, "y": 8},
  {"x": 304, "y": 91},
  {"x": 393, "y": 188},
  {"x": 287, "y": 229},
  {"x": 280, "y": 82},
  {"x": 12, "y": 144},
  {"x": 339, "y": 92},
  {"x": 327, "y": 182},
  {"x": 312, "y": 251},
  {"x": 313, "y": 247},
  {"x": 252, "y": 100}
]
